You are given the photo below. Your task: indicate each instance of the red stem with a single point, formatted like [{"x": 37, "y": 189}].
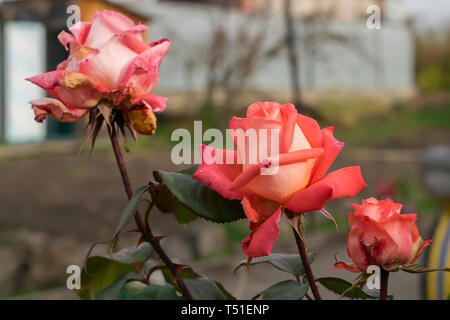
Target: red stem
[
  {"x": 306, "y": 265},
  {"x": 145, "y": 232}
]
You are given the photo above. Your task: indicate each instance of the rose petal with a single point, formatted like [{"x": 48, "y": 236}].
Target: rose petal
[
  {"x": 48, "y": 81},
  {"x": 111, "y": 63},
  {"x": 417, "y": 248},
  {"x": 400, "y": 227},
  {"x": 79, "y": 91},
  {"x": 219, "y": 176},
  {"x": 80, "y": 30},
  {"x": 143, "y": 73},
  {"x": 345, "y": 266},
  {"x": 260, "y": 242},
  {"x": 286, "y": 114},
  {"x": 284, "y": 159},
  {"x": 105, "y": 25},
  {"x": 277, "y": 187},
  {"x": 134, "y": 43},
  {"x": 378, "y": 210},
  {"x": 258, "y": 209},
  {"x": 332, "y": 147},
  {"x": 345, "y": 182},
  {"x": 65, "y": 38},
  {"x": 381, "y": 248},
  {"x": 55, "y": 108},
  {"x": 156, "y": 103},
  {"x": 311, "y": 130}
]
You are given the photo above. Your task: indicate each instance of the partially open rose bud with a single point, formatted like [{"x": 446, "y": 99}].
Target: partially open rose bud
[{"x": 380, "y": 235}]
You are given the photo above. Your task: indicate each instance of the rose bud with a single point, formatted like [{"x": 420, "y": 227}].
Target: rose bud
[{"x": 380, "y": 235}]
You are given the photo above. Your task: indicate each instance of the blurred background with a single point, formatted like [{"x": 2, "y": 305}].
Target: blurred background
[{"x": 386, "y": 90}]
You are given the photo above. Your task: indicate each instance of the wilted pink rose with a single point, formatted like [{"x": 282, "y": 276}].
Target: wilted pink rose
[
  {"x": 380, "y": 235},
  {"x": 108, "y": 61},
  {"x": 301, "y": 184}
]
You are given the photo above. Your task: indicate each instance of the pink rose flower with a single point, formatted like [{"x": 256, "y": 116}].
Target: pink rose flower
[
  {"x": 380, "y": 235},
  {"x": 108, "y": 60},
  {"x": 301, "y": 183}
]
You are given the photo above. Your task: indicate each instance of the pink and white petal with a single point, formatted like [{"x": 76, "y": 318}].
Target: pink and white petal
[
  {"x": 48, "y": 81},
  {"x": 111, "y": 64},
  {"x": 142, "y": 75},
  {"x": 105, "y": 25},
  {"x": 216, "y": 176},
  {"x": 260, "y": 242},
  {"x": 65, "y": 38},
  {"x": 156, "y": 103},
  {"x": 79, "y": 54},
  {"x": 345, "y": 182},
  {"x": 79, "y": 90},
  {"x": 62, "y": 65},
  {"x": 332, "y": 147},
  {"x": 400, "y": 227},
  {"x": 55, "y": 108},
  {"x": 81, "y": 30},
  {"x": 81, "y": 97}
]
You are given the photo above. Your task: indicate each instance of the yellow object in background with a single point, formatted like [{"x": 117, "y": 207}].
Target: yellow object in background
[{"x": 437, "y": 285}]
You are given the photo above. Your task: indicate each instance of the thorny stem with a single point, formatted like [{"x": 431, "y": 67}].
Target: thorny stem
[
  {"x": 384, "y": 284},
  {"x": 145, "y": 232},
  {"x": 303, "y": 254}
]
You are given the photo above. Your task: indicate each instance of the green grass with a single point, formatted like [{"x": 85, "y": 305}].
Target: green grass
[{"x": 400, "y": 120}]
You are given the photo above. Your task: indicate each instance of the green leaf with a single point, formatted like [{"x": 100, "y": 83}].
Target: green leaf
[
  {"x": 197, "y": 197},
  {"x": 131, "y": 288},
  {"x": 285, "y": 290},
  {"x": 290, "y": 263},
  {"x": 130, "y": 209},
  {"x": 167, "y": 203},
  {"x": 201, "y": 287},
  {"x": 155, "y": 292},
  {"x": 114, "y": 291},
  {"x": 133, "y": 254},
  {"x": 339, "y": 286},
  {"x": 204, "y": 289},
  {"x": 104, "y": 271}
]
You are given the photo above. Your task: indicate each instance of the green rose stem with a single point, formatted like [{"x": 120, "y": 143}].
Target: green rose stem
[
  {"x": 145, "y": 232},
  {"x": 306, "y": 265},
  {"x": 384, "y": 284}
]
